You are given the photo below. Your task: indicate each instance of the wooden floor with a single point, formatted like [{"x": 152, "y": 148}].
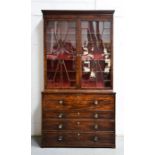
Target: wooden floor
[{"x": 37, "y": 150}]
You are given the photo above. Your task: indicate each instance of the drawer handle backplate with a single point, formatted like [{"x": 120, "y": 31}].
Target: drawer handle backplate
[
  {"x": 96, "y": 115},
  {"x": 60, "y": 115},
  {"x": 60, "y": 138},
  {"x": 96, "y": 126},
  {"x": 61, "y": 102},
  {"x": 95, "y": 139},
  {"x": 96, "y": 102},
  {"x": 60, "y": 126}
]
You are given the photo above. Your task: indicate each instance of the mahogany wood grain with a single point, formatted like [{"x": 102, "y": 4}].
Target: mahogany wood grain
[
  {"x": 78, "y": 139},
  {"x": 78, "y": 97},
  {"x": 80, "y": 124},
  {"x": 81, "y": 105},
  {"x": 78, "y": 117},
  {"x": 76, "y": 114}
]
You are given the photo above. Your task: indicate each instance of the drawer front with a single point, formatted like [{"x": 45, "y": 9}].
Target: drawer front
[
  {"x": 78, "y": 101},
  {"x": 79, "y": 104},
  {"x": 77, "y": 97},
  {"x": 78, "y": 114},
  {"x": 57, "y": 97},
  {"x": 79, "y": 124},
  {"x": 78, "y": 139},
  {"x": 78, "y": 120}
]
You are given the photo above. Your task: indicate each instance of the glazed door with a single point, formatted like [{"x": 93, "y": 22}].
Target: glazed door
[
  {"x": 60, "y": 54},
  {"x": 96, "y": 59}
]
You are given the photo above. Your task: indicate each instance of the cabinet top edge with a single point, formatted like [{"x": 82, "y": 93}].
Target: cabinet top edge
[
  {"x": 77, "y": 91},
  {"x": 76, "y": 12}
]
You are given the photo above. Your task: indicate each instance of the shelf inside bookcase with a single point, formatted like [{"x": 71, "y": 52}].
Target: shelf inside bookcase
[
  {"x": 61, "y": 57},
  {"x": 61, "y": 85},
  {"x": 92, "y": 57}
]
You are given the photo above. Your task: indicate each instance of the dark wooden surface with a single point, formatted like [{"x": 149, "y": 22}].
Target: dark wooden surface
[
  {"x": 69, "y": 114},
  {"x": 78, "y": 139},
  {"x": 75, "y": 114},
  {"x": 78, "y": 91},
  {"x": 78, "y": 124},
  {"x": 78, "y": 117},
  {"x": 77, "y": 12}
]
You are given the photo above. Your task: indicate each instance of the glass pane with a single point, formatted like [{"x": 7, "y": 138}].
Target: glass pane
[
  {"x": 61, "y": 50},
  {"x": 96, "y": 57}
]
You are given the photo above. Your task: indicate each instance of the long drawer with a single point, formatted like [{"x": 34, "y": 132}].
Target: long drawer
[
  {"x": 78, "y": 139},
  {"x": 77, "y": 97},
  {"x": 81, "y": 104},
  {"x": 79, "y": 124},
  {"x": 75, "y": 114}
]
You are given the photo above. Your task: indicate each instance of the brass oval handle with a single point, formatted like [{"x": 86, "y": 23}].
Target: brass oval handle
[
  {"x": 78, "y": 113},
  {"x": 96, "y": 126},
  {"x": 60, "y": 115},
  {"x": 61, "y": 102},
  {"x": 78, "y": 123},
  {"x": 78, "y": 134},
  {"x": 96, "y": 115},
  {"x": 96, "y": 102},
  {"x": 60, "y": 138},
  {"x": 60, "y": 126},
  {"x": 96, "y": 139}
]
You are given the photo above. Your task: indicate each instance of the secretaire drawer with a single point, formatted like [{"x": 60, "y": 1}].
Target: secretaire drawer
[
  {"x": 78, "y": 97},
  {"x": 58, "y": 97},
  {"x": 79, "y": 104}
]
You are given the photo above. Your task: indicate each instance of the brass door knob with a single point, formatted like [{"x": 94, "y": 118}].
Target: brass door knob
[
  {"x": 61, "y": 102},
  {"x": 60, "y": 138},
  {"x": 60, "y": 115},
  {"x": 96, "y": 102},
  {"x": 96, "y": 115},
  {"x": 96, "y": 139},
  {"x": 60, "y": 126}
]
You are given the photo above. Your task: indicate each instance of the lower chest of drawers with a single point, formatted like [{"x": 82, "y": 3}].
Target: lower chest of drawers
[{"x": 78, "y": 120}]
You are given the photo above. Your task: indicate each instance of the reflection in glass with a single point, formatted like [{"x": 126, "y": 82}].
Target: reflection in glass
[
  {"x": 96, "y": 58},
  {"x": 61, "y": 50}
]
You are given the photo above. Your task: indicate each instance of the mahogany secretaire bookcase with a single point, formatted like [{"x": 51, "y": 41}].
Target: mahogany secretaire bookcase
[{"x": 78, "y": 102}]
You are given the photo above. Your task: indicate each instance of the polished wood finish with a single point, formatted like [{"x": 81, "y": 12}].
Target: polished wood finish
[
  {"x": 75, "y": 114},
  {"x": 82, "y": 105},
  {"x": 78, "y": 117},
  {"x": 67, "y": 113},
  {"x": 78, "y": 124},
  {"x": 78, "y": 139},
  {"x": 77, "y": 12}
]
